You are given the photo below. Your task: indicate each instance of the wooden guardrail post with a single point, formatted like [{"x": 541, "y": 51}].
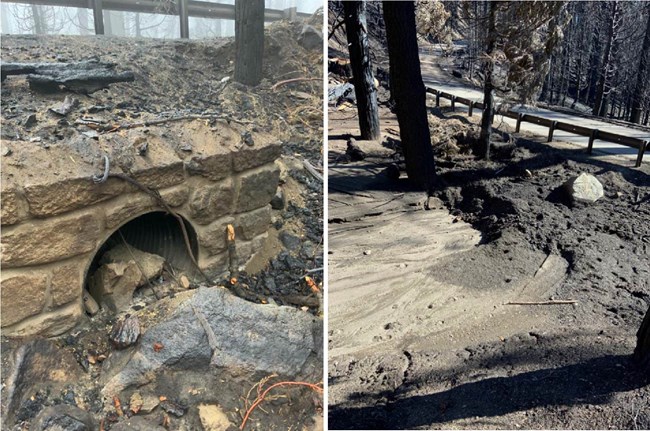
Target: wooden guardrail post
[
  {"x": 592, "y": 138},
  {"x": 642, "y": 147},
  {"x": 185, "y": 20},
  {"x": 291, "y": 13},
  {"x": 551, "y": 129},
  {"x": 98, "y": 16},
  {"x": 553, "y": 125},
  {"x": 520, "y": 118}
]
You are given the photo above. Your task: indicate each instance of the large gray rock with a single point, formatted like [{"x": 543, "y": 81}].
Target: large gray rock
[
  {"x": 248, "y": 336},
  {"x": 123, "y": 270},
  {"x": 64, "y": 418},
  {"x": 584, "y": 188},
  {"x": 310, "y": 38},
  {"x": 36, "y": 365}
]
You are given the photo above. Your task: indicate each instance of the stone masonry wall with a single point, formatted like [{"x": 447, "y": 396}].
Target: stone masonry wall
[{"x": 55, "y": 218}]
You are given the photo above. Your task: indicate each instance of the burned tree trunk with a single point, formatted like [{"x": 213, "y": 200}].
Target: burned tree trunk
[
  {"x": 82, "y": 18},
  {"x": 364, "y": 87},
  {"x": 603, "y": 88},
  {"x": 138, "y": 25},
  {"x": 39, "y": 27},
  {"x": 483, "y": 149},
  {"x": 249, "y": 41},
  {"x": 642, "y": 351},
  {"x": 640, "y": 76},
  {"x": 409, "y": 92}
]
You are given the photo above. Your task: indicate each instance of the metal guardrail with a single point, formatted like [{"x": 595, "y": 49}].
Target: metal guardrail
[
  {"x": 183, "y": 8},
  {"x": 553, "y": 125}
]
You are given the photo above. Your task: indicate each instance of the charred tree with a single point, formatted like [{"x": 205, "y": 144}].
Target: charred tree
[
  {"x": 483, "y": 149},
  {"x": 641, "y": 76},
  {"x": 39, "y": 25},
  {"x": 409, "y": 93},
  {"x": 364, "y": 87},
  {"x": 82, "y": 17},
  {"x": 604, "y": 86},
  {"x": 138, "y": 25},
  {"x": 249, "y": 41},
  {"x": 642, "y": 351}
]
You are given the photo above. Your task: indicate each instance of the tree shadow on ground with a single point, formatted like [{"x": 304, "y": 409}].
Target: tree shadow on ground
[
  {"x": 542, "y": 156},
  {"x": 593, "y": 381}
]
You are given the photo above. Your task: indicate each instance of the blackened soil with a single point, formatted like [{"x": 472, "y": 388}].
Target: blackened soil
[{"x": 607, "y": 244}]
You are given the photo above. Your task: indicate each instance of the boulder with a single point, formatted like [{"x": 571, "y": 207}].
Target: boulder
[
  {"x": 584, "y": 188},
  {"x": 64, "y": 417},
  {"x": 151, "y": 264},
  {"x": 310, "y": 38},
  {"x": 113, "y": 284},
  {"x": 245, "y": 336}
]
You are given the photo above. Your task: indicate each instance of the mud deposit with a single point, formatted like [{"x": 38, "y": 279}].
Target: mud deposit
[
  {"x": 459, "y": 355},
  {"x": 50, "y": 382}
]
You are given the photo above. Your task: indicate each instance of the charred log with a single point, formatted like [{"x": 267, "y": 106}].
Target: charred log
[{"x": 82, "y": 77}]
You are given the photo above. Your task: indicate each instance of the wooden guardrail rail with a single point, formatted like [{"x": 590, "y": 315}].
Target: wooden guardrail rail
[
  {"x": 552, "y": 125},
  {"x": 183, "y": 8}
]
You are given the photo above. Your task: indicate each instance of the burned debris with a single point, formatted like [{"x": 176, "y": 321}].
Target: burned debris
[{"x": 85, "y": 77}]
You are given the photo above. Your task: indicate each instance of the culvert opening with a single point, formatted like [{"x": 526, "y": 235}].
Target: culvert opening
[{"x": 120, "y": 267}]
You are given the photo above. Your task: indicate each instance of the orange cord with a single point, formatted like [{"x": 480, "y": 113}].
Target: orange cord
[{"x": 260, "y": 398}]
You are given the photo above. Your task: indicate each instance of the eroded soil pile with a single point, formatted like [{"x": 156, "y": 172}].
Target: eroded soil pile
[
  {"x": 179, "y": 78},
  {"x": 489, "y": 364}
]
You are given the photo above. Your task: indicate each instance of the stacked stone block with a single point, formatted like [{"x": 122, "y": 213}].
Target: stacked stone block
[{"x": 55, "y": 218}]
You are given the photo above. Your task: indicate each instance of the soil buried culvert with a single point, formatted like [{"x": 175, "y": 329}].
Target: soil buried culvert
[{"x": 57, "y": 222}]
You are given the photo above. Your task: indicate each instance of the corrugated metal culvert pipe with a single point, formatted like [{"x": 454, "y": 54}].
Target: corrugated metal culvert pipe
[{"x": 157, "y": 233}]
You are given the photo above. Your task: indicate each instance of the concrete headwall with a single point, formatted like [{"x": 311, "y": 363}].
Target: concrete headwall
[{"x": 55, "y": 218}]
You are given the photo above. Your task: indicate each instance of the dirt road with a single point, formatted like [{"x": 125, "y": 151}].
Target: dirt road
[{"x": 434, "y": 77}]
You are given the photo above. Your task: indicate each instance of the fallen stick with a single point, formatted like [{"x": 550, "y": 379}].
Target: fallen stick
[
  {"x": 173, "y": 119},
  {"x": 336, "y": 232},
  {"x": 232, "y": 254},
  {"x": 302, "y": 300},
  {"x": 260, "y": 398},
  {"x": 554, "y": 302},
  {"x": 310, "y": 168},
  {"x": 289, "y": 81},
  {"x": 536, "y": 273}
]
